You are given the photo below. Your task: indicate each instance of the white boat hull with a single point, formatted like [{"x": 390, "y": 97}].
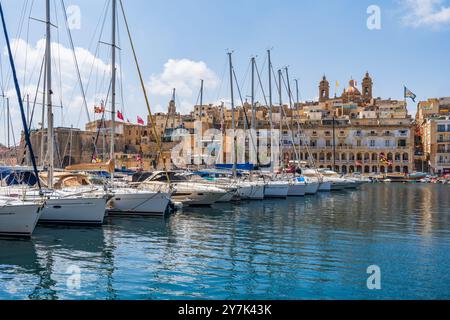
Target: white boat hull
[
  {"x": 18, "y": 220},
  {"x": 227, "y": 197},
  {"x": 74, "y": 211},
  {"x": 138, "y": 203},
  {"x": 276, "y": 190},
  {"x": 312, "y": 187},
  {"x": 194, "y": 199},
  {"x": 337, "y": 186},
  {"x": 325, "y": 187},
  {"x": 252, "y": 191},
  {"x": 297, "y": 190},
  {"x": 244, "y": 192}
]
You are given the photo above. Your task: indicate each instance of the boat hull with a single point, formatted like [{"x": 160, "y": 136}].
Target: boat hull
[
  {"x": 252, "y": 191},
  {"x": 297, "y": 190},
  {"x": 197, "y": 199},
  {"x": 338, "y": 186},
  {"x": 276, "y": 190},
  {"x": 227, "y": 197},
  {"x": 77, "y": 211},
  {"x": 312, "y": 188},
  {"x": 138, "y": 204},
  {"x": 325, "y": 187},
  {"x": 19, "y": 221}
]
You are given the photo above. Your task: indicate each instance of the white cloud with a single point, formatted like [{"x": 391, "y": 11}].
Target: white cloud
[
  {"x": 65, "y": 85},
  {"x": 185, "y": 76},
  {"x": 431, "y": 13}
]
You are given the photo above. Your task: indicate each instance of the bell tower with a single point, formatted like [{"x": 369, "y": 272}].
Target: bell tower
[
  {"x": 324, "y": 90},
  {"x": 172, "y": 105},
  {"x": 367, "y": 85}
]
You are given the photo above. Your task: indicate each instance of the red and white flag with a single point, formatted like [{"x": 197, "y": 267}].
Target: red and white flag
[
  {"x": 140, "y": 121},
  {"x": 120, "y": 115}
]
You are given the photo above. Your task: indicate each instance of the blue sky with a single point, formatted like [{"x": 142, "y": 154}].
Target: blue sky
[{"x": 311, "y": 37}]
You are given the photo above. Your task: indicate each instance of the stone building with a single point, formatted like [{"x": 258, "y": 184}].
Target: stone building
[{"x": 433, "y": 121}]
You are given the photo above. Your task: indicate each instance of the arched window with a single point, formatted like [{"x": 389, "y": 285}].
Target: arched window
[
  {"x": 390, "y": 169},
  {"x": 367, "y": 157},
  {"x": 366, "y": 169},
  {"x": 329, "y": 156},
  {"x": 405, "y": 169},
  {"x": 405, "y": 157},
  {"x": 359, "y": 157},
  {"x": 382, "y": 169},
  {"x": 390, "y": 156},
  {"x": 397, "y": 169},
  {"x": 398, "y": 157},
  {"x": 351, "y": 169},
  {"x": 344, "y": 169},
  {"x": 374, "y": 169},
  {"x": 351, "y": 157},
  {"x": 374, "y": 157}
]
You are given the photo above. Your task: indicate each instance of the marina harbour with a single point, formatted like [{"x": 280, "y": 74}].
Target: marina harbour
[
  {"x": 313, "y": 247},
  {"x": 261, "y": 194}
]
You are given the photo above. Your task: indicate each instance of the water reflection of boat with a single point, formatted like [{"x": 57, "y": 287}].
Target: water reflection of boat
[
  {"x": 73, "y": 238},
  {"x": 20, "y": 253}
]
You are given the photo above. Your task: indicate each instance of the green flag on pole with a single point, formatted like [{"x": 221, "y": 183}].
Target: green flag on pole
[{"x": 410, "y": 94}]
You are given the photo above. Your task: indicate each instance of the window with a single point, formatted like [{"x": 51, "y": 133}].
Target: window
[
  {"x": 372, "y": 143},
  {"x": 441, "y": 128},
  {"x": 358, "y": 143},
  {"x": 328, "y": 143},
  {"x": 402, "y": 143},
  {"x": 387, "y": 143}
]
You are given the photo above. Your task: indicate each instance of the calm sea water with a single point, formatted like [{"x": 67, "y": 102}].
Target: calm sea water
[{"x": 316, "y": 247}]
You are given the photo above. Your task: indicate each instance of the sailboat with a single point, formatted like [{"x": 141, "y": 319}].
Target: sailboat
[
  {"x": 60, "y": 207},
  {"x": 18, "y": 219},
  {"x": 125, "y": 200}
]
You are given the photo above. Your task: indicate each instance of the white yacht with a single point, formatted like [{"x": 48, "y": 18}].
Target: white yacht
[
  {"x": 337, "y": 182},
  {"x": 18, "y": 218},
  {"x": 75, "y": 202},
  {"x": 189, "y": 193},
  {"x": 312, "y": 187},
  {"x": 128, "y": 201},
  {"x": 297, "y": 188},
  {"x": 276, "y": 189},
  {"x": 251, "y": 190},
  {"x": 316, "y": 176}
]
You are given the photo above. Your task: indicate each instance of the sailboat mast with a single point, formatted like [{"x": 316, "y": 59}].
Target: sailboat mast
[
  {"x": 270, "y": 109},
  {"x": 113, "y": 84},
  {"x": 233, "y": 124},
  {"x": 290, "y": 103},
  {"x": 44, "y": 87},
  {"x": 281, "y": 117},
  {"x": 48, "y": 67},
  {"x": 8, "y": 123},
  {"x": 253, "y": 95},
  {"x": 201, "y": 99}
]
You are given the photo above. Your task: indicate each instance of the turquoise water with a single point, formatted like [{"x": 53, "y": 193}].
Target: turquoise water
[{"x": 317, "y": 247}]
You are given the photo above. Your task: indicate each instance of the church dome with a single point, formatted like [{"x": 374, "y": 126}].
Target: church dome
[{"x": 352, "y": 88}]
